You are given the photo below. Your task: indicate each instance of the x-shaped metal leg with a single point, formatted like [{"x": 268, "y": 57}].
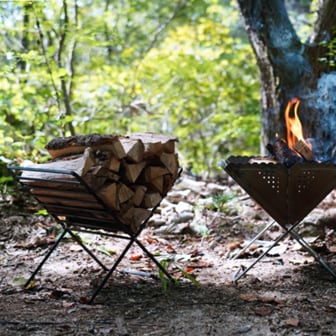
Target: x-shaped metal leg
[
  {"x": 132, "y": 240},
  {"x": 291, "y": 231}
]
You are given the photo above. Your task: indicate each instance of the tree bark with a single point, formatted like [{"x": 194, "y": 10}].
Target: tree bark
[
  {"x": 61, "y": 48},
  {"x": 290, "y": 68}
]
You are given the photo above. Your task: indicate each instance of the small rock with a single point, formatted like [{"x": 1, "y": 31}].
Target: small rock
[
  {"x": 328, "y": 219},
  {"x": 187, "y": 183},
  {"x": 183, "y": 217},
  {"x": 156, "y": 222},
  {"x": 215, "y": 188},
  {"x": 173, "y": 228},
  {"x": 183, "y": 206},
  {"x": 248, "y": 212}
]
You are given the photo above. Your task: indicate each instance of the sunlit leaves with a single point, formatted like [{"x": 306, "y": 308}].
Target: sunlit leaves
[
  {"x": 130, "y": 66},
  {"x": 210, "y": 92}
]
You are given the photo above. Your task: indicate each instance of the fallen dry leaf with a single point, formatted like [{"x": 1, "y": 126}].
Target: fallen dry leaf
[
  {"x": 36, "y": 242},
  {"x": 76, "y": 248},
  {"x": 292, "y": 322},
  {"x": 201, "y": 265},
  {"x": 263, "y": 310},
  {"x": 170, "y": 248},
  {"x": 233, "y": 245},
  {"x": 331, "y": 307},
  {"x": 135, "y": 257},
  {"x": 261, "y": 298},
  {"x": 67, "y": 304},
  {"x": 249, "y": 297},
  {"x": 301, "y": 260},
  {"x": 271, "y": 299},
  {"x": 84, "y": 300}
]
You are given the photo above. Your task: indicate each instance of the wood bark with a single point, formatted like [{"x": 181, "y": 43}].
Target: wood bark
[{"x": 292, "y": 68}]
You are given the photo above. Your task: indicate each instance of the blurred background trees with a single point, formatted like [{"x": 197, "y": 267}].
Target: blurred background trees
[{"x": 183, "y": 67}]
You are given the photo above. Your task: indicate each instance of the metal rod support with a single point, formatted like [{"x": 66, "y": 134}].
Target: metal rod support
[
  {"x": 51, "y": 250},
  {"x": 113, "y": 268},
  {"x": 240, "y": 274},
  {"x": 240, "y": 252},
  {"x": 313, "y": 253},
  {"x": 91, "y": 254}
]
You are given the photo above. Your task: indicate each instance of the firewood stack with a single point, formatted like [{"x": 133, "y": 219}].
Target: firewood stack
[{"x": 131, "y": 174}]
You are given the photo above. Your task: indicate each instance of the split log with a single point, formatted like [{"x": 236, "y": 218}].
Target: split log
[
  {"x": 135, "y": 217},
  {"x": 170, "y": 161},
  {"x": 63, "y": 146},
  {"x": 151, "y": 200},
  {"x": 110, "y": 196},
  {"x": 283, "y": 154},
  {"x": 133, "y": 171},
  {"x": 153, "y": 172},
  {"x": 139, "y": 194},
  {"x": 134, "y": 149},
  {"x": 113, "y": 164},
  {"x": 156, "y": 143},
  {"x": 79, "y": 165},
  {"x": 154, "y": 178},
  {"x": 78, "y": 199},
  {"x": 124, "y": 193},
  {"x": 101, "y": 171},
  {"x": 301, "y": 147}
]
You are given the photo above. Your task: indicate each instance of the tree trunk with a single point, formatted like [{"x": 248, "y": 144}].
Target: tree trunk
[{"x": 290, "y": 68}]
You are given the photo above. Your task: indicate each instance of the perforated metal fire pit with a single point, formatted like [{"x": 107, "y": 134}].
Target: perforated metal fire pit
[{"x": 288, "y": 195}]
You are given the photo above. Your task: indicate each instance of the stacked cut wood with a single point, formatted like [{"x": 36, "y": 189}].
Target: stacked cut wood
[{"x": 131, "y": 174}]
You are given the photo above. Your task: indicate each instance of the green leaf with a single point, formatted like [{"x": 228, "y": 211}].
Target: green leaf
[{"x": 106, "y": 251}]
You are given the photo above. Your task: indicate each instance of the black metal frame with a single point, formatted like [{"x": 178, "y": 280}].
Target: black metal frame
[
  {"x": 287, "y": 231},
  {"x": 76, "y": 207}
]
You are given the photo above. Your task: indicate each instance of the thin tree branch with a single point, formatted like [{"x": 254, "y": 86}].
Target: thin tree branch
[
  {"x": 73, "y": 55},
  {"x": 179, "y": 6},
  {"x": 66, "y": 94},
  {"x": 45, "y": 56}
]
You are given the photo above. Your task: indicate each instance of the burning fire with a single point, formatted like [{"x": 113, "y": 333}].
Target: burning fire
[{"x": 293, "y": 125}]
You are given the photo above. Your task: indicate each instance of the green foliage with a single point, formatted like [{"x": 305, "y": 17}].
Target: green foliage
[
  {"x": 330, "y": 54},
  {"x": 181, "y": 68},
  {"x": 199, "y": 82},
  {"x": 220, "y": 200}
]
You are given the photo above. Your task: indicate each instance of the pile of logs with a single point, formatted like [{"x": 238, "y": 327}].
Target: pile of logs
[
  {"x": 281, "y": 152},
  {"x": 131, "y": 174}
]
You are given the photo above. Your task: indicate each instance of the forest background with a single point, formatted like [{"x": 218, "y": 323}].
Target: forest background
[{"x": 181, "y": 67}]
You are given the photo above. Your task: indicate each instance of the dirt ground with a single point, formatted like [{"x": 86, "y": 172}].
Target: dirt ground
[{"x": 286, "y": 293}]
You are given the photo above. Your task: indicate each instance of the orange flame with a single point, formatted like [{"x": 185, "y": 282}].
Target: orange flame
[{"x": 293, "y": 124}]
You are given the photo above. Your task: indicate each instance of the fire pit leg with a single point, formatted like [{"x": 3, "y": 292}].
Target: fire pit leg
[
  {"x": 240, "y": 252},
  {"x": 317, "y": 257},
  {"x": 291, "y": 231},
  {"x": 240, "y": 274}
]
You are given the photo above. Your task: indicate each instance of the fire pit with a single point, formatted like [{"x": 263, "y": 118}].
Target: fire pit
[
  {"x": 289, "y": 184},
  {"x": 286, "y": 194}
]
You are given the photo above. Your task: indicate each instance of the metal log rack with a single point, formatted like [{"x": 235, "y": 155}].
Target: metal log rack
[{"x": 76, "y": 207}]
